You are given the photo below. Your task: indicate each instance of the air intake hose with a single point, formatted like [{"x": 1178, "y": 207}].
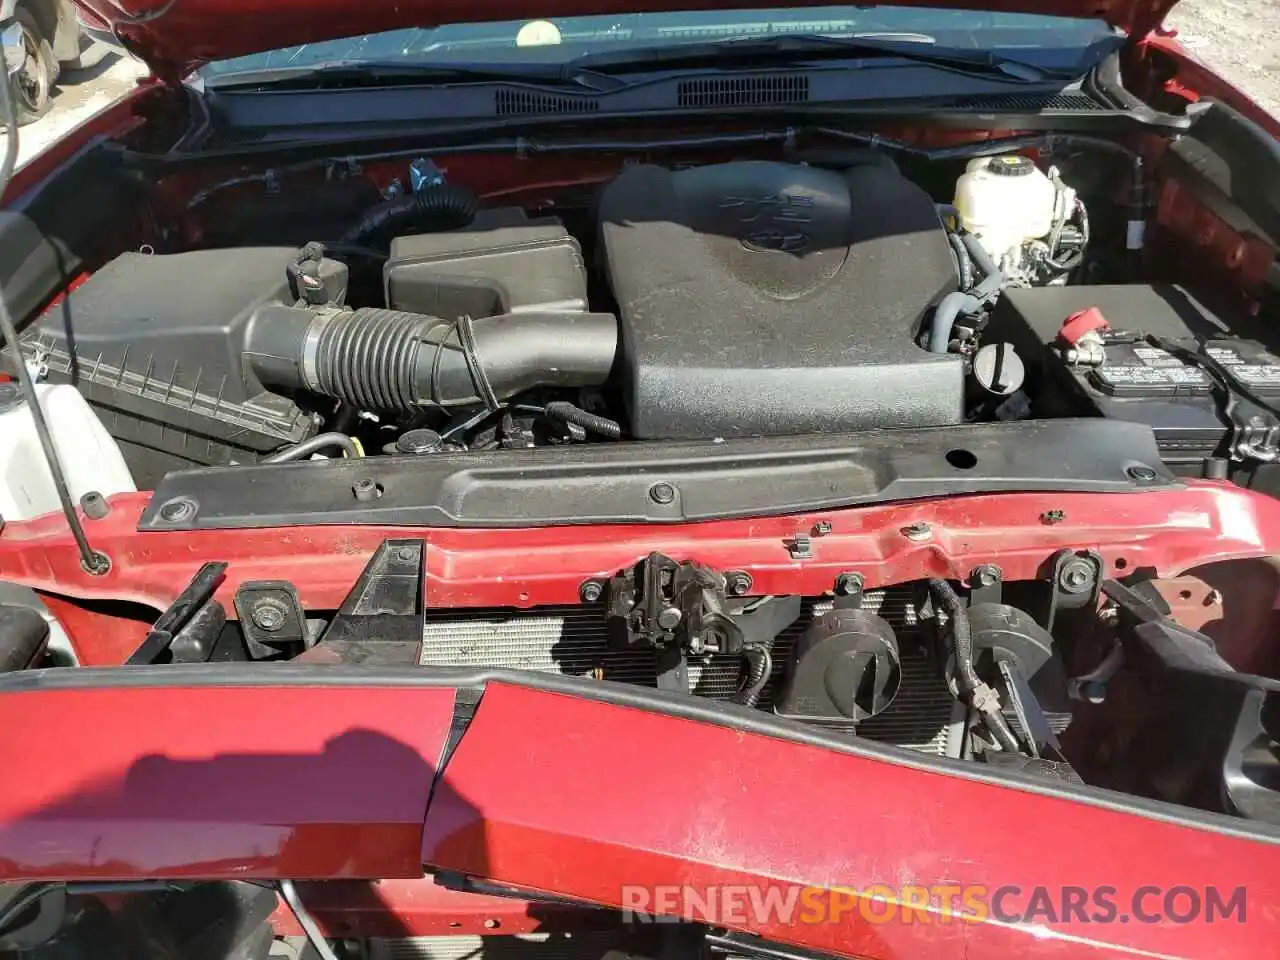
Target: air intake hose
[{"x": 389, "y": 360}]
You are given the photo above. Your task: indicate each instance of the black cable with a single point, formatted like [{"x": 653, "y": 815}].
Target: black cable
[
  {"x": 761, "y": 666},
  {"x": 1219, "y": 372},
  {"x": 93, "y": 562},
  {"x": 972, "y": 689},
  {"x": 1073, "y": 261},
  {"x": 961, "y": 634},
  {"x": 568, "y": 413}
]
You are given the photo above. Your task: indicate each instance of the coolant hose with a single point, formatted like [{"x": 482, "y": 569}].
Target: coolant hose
[
  {"x": 392, "y": 361},
  {"x": 954, "y": 305},
  {"x": 442, "y": 207},
  {"x": 964, "y": 262},
  {"x": 944, "y": 318}
]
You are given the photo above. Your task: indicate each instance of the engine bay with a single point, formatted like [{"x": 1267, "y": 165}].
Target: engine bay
[{"x": 745, "y": 298}]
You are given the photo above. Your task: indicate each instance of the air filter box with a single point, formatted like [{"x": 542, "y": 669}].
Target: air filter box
[{"x": 155, "y": 344}]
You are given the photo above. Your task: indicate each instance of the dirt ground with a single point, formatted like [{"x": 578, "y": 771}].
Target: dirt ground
[{"x": 1238, "y": 38}]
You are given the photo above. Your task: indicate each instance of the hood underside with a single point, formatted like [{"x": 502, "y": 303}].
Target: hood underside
[{"x": 175, "y": 36}]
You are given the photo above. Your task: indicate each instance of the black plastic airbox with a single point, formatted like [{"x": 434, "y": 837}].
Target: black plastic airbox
[
  {"x": 155, "y": 344},
  {"x": 762, "y": 298}
]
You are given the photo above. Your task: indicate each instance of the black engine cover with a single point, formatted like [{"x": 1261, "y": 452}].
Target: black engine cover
[{"x": 765, "y": 298}]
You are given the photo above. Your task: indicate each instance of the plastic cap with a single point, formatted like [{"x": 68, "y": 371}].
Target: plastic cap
[
  {"x": 1012, "y": 166},
  {"x": 1079, "y": 325}
]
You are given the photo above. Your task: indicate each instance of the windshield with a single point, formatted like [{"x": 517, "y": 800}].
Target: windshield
[{"x": 1057, "y": 41}]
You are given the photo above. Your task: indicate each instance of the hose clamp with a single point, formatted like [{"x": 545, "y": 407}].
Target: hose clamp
[{"x": 311, "y": 344}]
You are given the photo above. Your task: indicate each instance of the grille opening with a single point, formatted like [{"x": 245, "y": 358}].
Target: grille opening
[
  {"x": 572, "y": 640},
  {"x": 743, "y": 91},
  {"x": 508, "y": 101}
]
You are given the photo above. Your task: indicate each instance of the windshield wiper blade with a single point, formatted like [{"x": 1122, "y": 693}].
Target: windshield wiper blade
[{"x": 752, "y": 50}]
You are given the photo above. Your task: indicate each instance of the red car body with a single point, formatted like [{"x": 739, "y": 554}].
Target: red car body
[{"x": 148, "y": 773}]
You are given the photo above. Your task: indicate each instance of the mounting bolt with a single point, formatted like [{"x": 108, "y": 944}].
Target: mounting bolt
[
  {"x": 917, "y": 531},
  {"x": 591, "y": 591},
  {"x": 985, "y": 575},
  {"x": 822, "y": 528},
  {"x": 737, "y": 583},
  {"x": 1076, "y": 576},
  {"x": 178, "y": 510},
  {"x": 849, "y": 584},
  {"x": 94, "y": 505},
  {"x": 366, "y": 489},
  {"x": 98, "y": 565},
  {"x": 662, "y": 493},
  {"x": 1051, "y": 517},
  {"x": 1141, "y": 472},
  {"x": 269, "y": 614},
  {"x": 406, "y": 554},
  {"x": 668, "y": 618}
]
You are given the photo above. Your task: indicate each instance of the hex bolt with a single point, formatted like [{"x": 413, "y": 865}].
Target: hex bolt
[
  {"x": 737, "y": 583},
  {"x": 662, "y": 493},
  {"x": 1076, "y": 576},
  {"x": 591, "y": 591},
  {"x": 366, "y": 489},
  {"x": 985, "y": 575},
  {"x": 1141, "y": 472},
  {"x": 407, "y": 553},
  {"x": 178, "y": 510},
  {"x": 917, "y": 531},
  {"x": 849, "y": 584},
  {"x": 269, "y": 614},
  {"x": 94, "y": 505}
]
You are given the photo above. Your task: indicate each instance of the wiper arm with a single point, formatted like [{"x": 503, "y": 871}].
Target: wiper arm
[
  {"x": 357, "y": 73},
  {"x": 917, "y": 48}
]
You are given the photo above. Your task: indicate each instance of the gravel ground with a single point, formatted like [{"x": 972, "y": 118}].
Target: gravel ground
[
  {"x": 1238, "y": 38},
  {"x": 78, "y": 96}
]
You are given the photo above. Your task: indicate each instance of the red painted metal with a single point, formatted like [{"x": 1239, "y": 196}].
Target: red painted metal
[
  {"x": 175, "y": 37},
  {"x": 1169, "y": 530},
  {"x": 1197, "y": 80},
  {"x": 206, "y": 782},
  {"x": 421, "y": 908},
  {"x": 689, "y": 803}
]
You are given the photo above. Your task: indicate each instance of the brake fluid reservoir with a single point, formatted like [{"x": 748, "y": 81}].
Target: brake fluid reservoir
[
  {"x": 1006, "y": 201},
  {"x": 89, "y": 456}
]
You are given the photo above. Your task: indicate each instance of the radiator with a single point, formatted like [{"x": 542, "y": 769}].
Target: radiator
[{"x": 572, "y": 640}]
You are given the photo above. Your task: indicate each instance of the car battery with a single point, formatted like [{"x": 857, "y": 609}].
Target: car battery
[{"x": 1162, "y": 359}]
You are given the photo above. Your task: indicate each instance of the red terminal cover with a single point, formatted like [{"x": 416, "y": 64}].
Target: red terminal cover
[{"x": 1077, "y": 326}]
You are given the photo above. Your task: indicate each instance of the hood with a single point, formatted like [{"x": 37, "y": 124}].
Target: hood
[{"x": 176, "y": 36}]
